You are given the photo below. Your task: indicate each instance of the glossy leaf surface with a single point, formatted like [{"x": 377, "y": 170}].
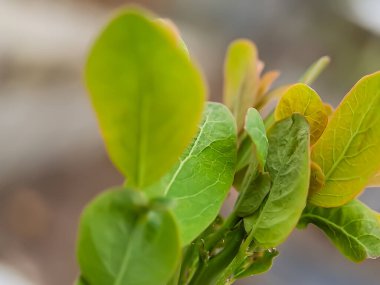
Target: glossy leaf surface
[
  {"x": 120, "y": 239},
  {"x": 353, "y": 228},
  {"x": 199, "y": 183},
  {"x": 288, "y": 166},
  {"x": 348, "y": 151},
  {"x": 147, "y": 94},
  {"x": 301, "y": 99}
]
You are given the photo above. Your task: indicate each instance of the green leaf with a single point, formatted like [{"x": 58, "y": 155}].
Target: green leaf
[
  {"x": 288, "y": 166},
  {"x": 301, "y": 99},
  {"x": 199, "y": 183},
  {"x": 209, "y": 273},
  {"x": 347, "y": 151},
  {"x": 253, "y": 195},
  {"x": 121, "y": 241},
  {"x": 240, "y": 78},
  {"x": 144, "y": 89},
  {"x": 172, "y": 28},
  {"x": 353, "y": 228},
  {"x": 254, "y": 126},
  {"x": 315, "y": 70},
  {"x": 259, "y": 262}
]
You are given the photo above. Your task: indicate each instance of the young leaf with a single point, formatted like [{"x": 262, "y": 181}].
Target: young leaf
[
  {"x": 347, "y": 152},
  {"x": 288, "y": 166},
  {"x": 314, "y": 70},
  {"x": 241, "y": 78},
  {"x": 119, "y": 240},
  {"x": 201, "y": 180},
  {"x": 301, "y": 99},
  {"x": 257, "y": 139},
  {"x": 254, "y": 126},
  {"x": 266, "y": 82},
  {"x": 353, "y": 228},
  {"x": 147, "y": 94},
  {"x": 259, "y": 263}
]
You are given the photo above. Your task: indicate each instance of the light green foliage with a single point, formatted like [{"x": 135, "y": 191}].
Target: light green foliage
[
  {"x": 201, "y": 180},
  {"x": 240, "y": 78},
  {"x": 147, "y": 94},
  {"x": 120, "y": 238},
  {"x": 348, "y": 151},
  {"x": 288, "y": 166},
  {"x": 255, "y": 142},
  {"x": 314, "y": 70},
  {"x": 254, "y": 126},
  {"x": 149, "y": 98},
  {"x": 353, "y": 228},
  {"x": 301, "y": 99},
  {"x": 258, "y": 263}
]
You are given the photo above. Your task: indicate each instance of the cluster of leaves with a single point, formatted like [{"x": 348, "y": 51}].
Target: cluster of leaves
[{"x": 304, "y": 163}]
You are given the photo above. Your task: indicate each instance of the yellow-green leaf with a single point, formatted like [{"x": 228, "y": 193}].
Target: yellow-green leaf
[
  {"x": 172, "y": 28},
  {"x": 241, "y": 78},
  {"x": 353, "y": 228},
  {"x": 147, "y": 94},
  {"x": 317, "y": 178},
  {"x": 301, "y": 99},
  {"x": 348, "y": 151},
  {"x": 374, "y": 181},
  {"x": 315, "y": 70},
  {"x": 329, "y": 109}
]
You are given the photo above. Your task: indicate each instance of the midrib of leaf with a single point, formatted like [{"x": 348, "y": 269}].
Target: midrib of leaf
[
  {"x": 339, "y": 228},
  {"x": 357, "y": 131},
  {"x": 140, "y": 141},
  {"x": 135, "y": 230},
  {"x": 182, "y": 163}
]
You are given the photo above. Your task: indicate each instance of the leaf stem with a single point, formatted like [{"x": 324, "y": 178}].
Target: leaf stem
[
  {"x": 227, "y": 276},
  {"x": 228, "y": 224}
]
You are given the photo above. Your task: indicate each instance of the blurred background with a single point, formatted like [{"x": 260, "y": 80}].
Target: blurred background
[{"x": 52, "y": 161}]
